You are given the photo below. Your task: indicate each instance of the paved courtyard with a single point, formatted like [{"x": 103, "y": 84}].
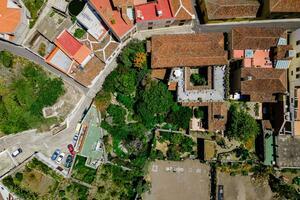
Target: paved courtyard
[
  {"x": 6, "y": 162},
  {"x": 241, "y": 188},
  {"x": 185, "y": 180}
]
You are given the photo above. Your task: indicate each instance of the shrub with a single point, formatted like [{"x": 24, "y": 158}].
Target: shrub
[
  {"x": 79, "y": 33},
  {"x": 118, "y": 113},
  {"x": 19, "y": 176},
  {"x": 42, "y": 49},
  {"x": 198, "y": 79},
  {"x": 6, "y": 59}
]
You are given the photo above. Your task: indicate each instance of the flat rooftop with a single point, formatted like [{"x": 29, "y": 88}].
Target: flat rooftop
[
  {"x": 179, "y": 180},
  {"x": 91, "y": 147},
  {"x": 288, "y": 151},
  {"x": 149, "y": 11}
]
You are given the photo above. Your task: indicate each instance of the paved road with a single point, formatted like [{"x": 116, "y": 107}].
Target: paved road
[
  {"x": 290, "y": 24},
  {"x": 20, "y": 51}
]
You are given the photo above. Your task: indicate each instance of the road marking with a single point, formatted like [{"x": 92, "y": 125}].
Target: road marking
[{"x": 14, "y": 161}]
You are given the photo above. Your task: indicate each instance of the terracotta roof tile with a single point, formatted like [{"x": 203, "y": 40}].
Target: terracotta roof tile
[
  {"x": 112, "y": 17},
  {"x": 284, "y": 6},
  {"x": 9, "y": 18},
  {"x": 158, "y": 73},
  {"x": 228, "y": 9},
  {"x": 188, "y": 50},
  {"x": 72, "y": 47},
  {"x": 256, "y": 38},
  {"x": 263, "y": 84},
  {"x": 182, "y": 9}
]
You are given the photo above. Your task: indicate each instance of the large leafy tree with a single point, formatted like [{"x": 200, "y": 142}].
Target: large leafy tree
[
  {"x": 241, "y": 125},
  {"x": 153, "y": 101}
]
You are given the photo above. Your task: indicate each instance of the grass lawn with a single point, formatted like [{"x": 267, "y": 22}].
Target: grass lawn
[{"x": 82, "y": 172}]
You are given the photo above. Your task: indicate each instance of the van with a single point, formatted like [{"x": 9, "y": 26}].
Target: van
[{"x": 16, "y": 152}]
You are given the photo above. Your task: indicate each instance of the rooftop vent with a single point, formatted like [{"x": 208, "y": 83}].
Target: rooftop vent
[
  {"x": 158, "y": 10},
  {"x": 139, "y": 14}
]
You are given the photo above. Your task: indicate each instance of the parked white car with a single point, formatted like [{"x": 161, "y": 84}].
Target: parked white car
[{"x": 60, "y": 158}]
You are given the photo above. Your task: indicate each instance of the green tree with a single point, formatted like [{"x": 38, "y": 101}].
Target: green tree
[
  {"x": 126, "y": 58},
  {"x": 198, "y": 79},
  {"x": 241, "y": 125},
  {"x": 154, "y": 100},
  {"x": 126, "y": 83},
  {"x": 19, "y": 176},
  {"x": 79, "y": 33},
  {"x": 118, "y": 113},
  {"x": 102, "y": 100},
  {"x": 180, "y": 118}
]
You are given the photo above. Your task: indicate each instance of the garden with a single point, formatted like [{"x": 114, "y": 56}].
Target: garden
[
  {"x": 37, "y": 181},
  {"x": 25, "y": 89},
  {"x": 133, "y": 105}
]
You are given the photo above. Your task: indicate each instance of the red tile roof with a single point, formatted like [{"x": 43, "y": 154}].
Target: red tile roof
[
  {"x": 68, "y": 43},
  {"x": 284, "y": 6},
  {"x": 220, "y": 9},
  {"x": 256, "y": 38},
  {"x": 9, "y": 18},
  {"x": 149, "y": 11},
  {"x": 183, "y": 9},
  {"x": 263, "y": 84},
  {"x": 72, "y": 47},
  {"x": 115, "y": 19},
  {"x": 188, "y": 50}
]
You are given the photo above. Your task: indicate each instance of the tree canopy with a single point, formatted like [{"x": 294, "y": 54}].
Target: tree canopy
[{"x": 241, "y": 125}]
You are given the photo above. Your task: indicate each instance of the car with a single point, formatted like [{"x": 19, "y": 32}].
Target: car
[
  {"x": 60, "y": 158},
  {"x": 75, "y": 138},
  {"x": 55, "y": 154},
  {"x": 16, "y": 152},
  {"x": 71, "y": 149},
  {"x": 69, "y": 161}
]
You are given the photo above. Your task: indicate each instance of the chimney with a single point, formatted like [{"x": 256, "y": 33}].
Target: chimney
[{"x": 158, "y": 10}]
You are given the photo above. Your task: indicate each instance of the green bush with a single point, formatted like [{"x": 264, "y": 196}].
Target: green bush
[
  {"x": 126, "y": 100},
  {"x": 21, "y": 107},
  {"x": 198, "y": 79},
  {"x": 180, "y": 118},
  {"x": 6, "y": 59},
  {"x": 19, "y": 176},
  {"x": 79, "y": 33},
  {"x": 82, "y": 172},
  {"x": 118, "y": 113},
  {"x": 241, "y": 125},
  {"x": 42, "y": 49}
]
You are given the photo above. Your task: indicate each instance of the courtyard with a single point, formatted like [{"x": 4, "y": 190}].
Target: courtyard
[{"x": 179, "y": 180}]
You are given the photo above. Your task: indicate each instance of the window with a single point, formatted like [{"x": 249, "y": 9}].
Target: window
[
  {"x": 297, "y": 69},
  {"x": 298, "y": 42},
  {"x": 298, "y": 55},
  {"x": 167, "y": 25},
  {"x": 297, "y": 75},
  {"x": 168, "y": 22},
  {"x": 150, "y": 23},
  {"x": 150, "y": 27},
  {"x": 292, "y": 73}
]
